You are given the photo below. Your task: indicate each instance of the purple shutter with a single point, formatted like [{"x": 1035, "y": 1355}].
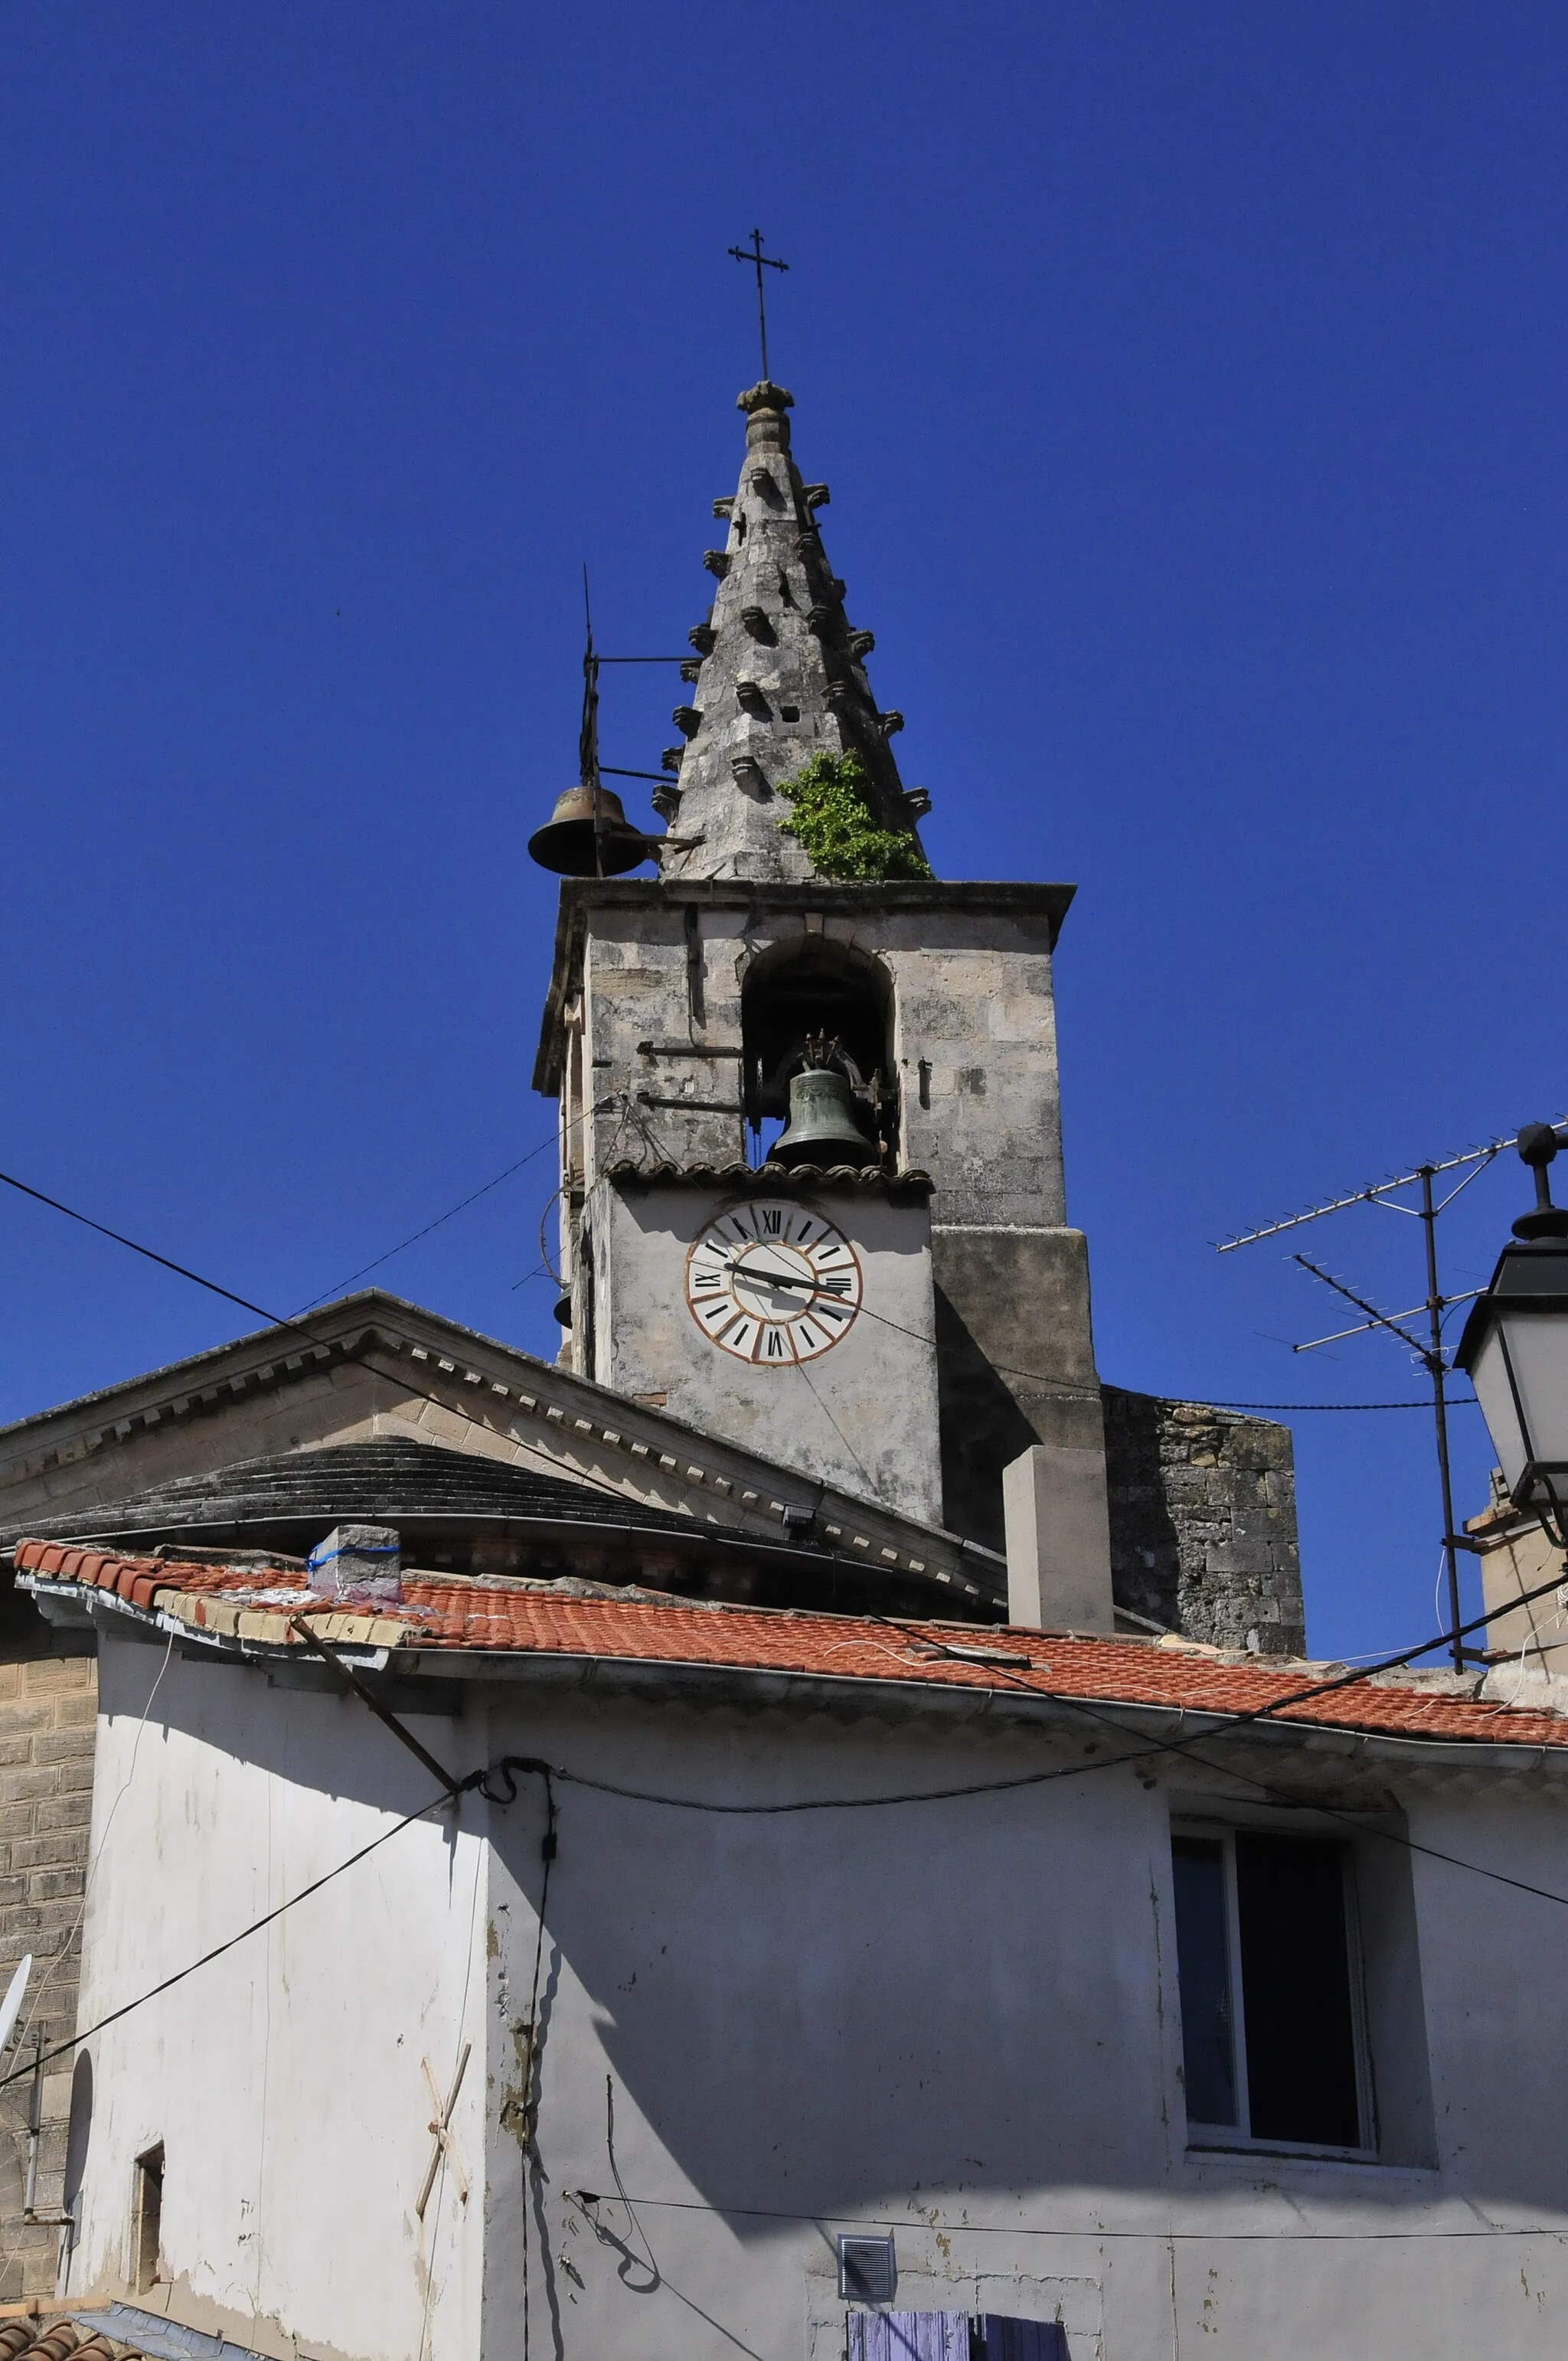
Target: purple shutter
[
  {"x": 911, "y": 2336},
  {"x": 1021, "y": 2340}
]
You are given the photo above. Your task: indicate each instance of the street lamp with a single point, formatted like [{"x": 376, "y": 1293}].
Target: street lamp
[{"x": 1515, "y": 1349}]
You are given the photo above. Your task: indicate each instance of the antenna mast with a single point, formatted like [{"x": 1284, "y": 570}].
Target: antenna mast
[{"x": 1431, "y": 1353}]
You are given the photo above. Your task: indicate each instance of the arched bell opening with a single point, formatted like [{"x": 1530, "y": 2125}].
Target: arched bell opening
[{"x": 814, "y": 1005}]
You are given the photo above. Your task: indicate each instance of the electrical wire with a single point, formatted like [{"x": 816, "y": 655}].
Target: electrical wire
[
  {"x": 420, "y": 1394},
  {"x": 62, "y": 1950},
  {"x": 807, "y": 1803},
  {"x": 1181, "y": 1747},
  {"x": 451, "y": 1214},
  {"x": 1188, "y": 1747},
  {"x": 1063, "y": 1390},
  {"x": 64, "y": 2048},
  {"x": 1453, "y": 1401},
  {"x": 506, "y": 1769},
  {"x": 532, "y": 2083},
  {"x": 588, "y": 2198},
  {"x": 92, "y": 1868},
  {"x": 274, "y": 1319},
  {"x": 608, "y": 2237}
]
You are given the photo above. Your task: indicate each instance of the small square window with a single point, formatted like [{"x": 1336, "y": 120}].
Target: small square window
[{"x": 1273, "y": 2051}]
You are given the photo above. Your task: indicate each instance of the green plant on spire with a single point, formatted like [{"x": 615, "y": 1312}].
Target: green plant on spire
[{"x": 830, "y": 815}]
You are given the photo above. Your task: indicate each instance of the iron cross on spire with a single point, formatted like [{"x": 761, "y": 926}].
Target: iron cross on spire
[{"x": 759, "y": 262}]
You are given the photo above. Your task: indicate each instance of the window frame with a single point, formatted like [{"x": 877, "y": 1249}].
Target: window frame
[
  {"x": 147, "y": 2220},
  {"x": 1209, "y": 2139}
]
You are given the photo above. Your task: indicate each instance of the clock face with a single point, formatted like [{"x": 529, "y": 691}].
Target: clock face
[{"x": 773, "y": 1283}]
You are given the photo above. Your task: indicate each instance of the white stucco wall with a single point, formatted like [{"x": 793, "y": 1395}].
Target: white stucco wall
[
  {"x": 957, "y": 2019},
  {"x": 284, "y": 2080}
]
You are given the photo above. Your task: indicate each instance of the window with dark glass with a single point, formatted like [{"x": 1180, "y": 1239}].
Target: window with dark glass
[{"x": 1266, "y": 1960}]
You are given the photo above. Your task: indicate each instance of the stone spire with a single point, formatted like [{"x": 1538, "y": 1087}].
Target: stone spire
[{"x": 780, "y": 676}]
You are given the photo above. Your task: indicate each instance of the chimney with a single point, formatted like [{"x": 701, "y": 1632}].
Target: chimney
[
  {"x": 358, "y": 1563},
  {"x": 1059, "y": 1540}
]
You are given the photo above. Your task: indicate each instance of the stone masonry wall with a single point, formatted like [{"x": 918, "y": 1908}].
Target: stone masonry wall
[
  {"x": 48, "y": 1706},
  {"x": 1204, "y": 1521}
]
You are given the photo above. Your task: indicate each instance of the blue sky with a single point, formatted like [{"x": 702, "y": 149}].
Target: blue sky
[{"x": 1190, "y": 383}]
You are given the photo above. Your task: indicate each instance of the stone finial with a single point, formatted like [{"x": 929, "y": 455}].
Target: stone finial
[
  {"x": 765, "y": 395},
  {"x": 358, "y": 1562}
]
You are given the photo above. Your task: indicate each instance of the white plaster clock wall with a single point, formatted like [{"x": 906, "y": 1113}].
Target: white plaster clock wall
[{"x": 773, "y": 1283}]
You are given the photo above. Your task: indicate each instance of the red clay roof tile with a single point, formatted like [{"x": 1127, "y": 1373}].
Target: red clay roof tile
[{"x": 468, "y": 1615}]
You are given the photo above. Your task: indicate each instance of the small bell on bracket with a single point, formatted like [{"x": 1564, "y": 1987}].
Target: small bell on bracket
[
  {"x": 822, "y": 1129},
  {"x": 588, "y": 835}
]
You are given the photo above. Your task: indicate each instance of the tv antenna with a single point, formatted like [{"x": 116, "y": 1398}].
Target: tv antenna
[{"x": 1473, "y": 1162}]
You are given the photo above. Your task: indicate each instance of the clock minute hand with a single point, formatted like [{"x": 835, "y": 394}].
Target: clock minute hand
[{"x": 769, "y": 1277}]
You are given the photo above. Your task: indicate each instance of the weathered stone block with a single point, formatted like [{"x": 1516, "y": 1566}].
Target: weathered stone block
[
  {"x": 1202, "y": 1522},
  {"x": 56, "y": 1850},
  {"x": 63, "y": 1746},
  {"x": 49, "y": 1674},
  {"x": 51, "y": 1814},
  {"x": 79, "y": 1711},
  {"x": 45, "y": 1885},
  {"x": 1226, "y": 1559}
]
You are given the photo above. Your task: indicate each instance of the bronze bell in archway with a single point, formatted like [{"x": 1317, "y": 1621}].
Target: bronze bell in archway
[
  {"x": 822, "y": 1127},
  {"x": 588, "y": 835}
]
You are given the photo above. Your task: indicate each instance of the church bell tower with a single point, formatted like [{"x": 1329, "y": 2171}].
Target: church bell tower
[{"x": 885, "y": 1294}]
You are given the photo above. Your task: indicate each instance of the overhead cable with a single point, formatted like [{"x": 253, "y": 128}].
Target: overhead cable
[
  {"x": 64, "y": 2048},
  {"x": 1094, "y": 2232},
  {"x": 497, "y": 1783},
  {"x": 452, "y": 1211},
  {"x": 295, "y": 1326}
]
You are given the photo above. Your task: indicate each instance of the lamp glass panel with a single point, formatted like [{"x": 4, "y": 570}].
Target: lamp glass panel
[
  {"x": 1537, "y": 1346},
  {"x": 1490, "y": 1376}
]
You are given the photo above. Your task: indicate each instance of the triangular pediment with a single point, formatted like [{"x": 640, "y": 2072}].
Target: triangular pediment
[{"x": 374, "y": 1369}]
